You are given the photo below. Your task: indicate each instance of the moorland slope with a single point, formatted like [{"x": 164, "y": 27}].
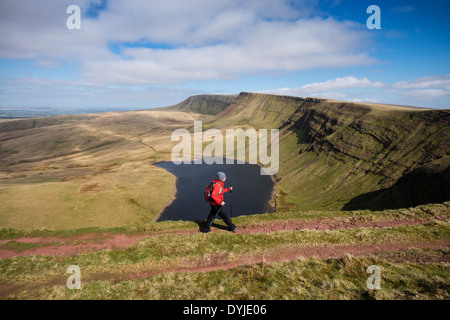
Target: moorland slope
[
  {"x": 73, "y": 170},
  {"x": 83, "y": 190}
]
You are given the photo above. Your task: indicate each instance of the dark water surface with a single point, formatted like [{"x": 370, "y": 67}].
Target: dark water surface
[{"x": 251, "y": 191}]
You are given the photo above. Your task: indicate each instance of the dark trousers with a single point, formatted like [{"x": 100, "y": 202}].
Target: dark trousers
[{"x": 223, "y": 214}]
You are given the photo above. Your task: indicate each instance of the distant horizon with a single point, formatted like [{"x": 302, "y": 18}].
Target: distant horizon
[{"x": 55, "y": 111}]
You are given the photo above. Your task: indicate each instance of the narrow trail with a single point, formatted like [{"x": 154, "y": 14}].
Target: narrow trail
[
  {"x": 286, "y": 254},
  {"x": 73, "y": 245},
  {"x": 221, "y": 262}
]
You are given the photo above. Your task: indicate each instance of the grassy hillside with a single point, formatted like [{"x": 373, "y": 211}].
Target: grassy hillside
[{"x": 333, "y": 152}]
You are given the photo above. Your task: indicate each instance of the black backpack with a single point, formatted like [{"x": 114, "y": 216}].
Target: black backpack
[{"x": 208, "y": 191}]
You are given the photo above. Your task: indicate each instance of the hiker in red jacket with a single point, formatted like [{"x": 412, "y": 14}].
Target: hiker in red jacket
[{"x": 217, "y": 204}]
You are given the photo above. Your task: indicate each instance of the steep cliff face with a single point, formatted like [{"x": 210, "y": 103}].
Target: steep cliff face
[
  {"x": 333, "y": 152},
  {"x": 404, "y": 139},
  {"x": 428, "y": 183},
  {"x": 259, "y": 110}
]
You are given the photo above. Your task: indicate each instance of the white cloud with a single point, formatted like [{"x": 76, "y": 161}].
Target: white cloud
[
  {"x": 32, "y": 92},
  {"x": 285, "y": 46},
  {"x": 439, "y": 81},
  {"x": 37, "y": 30},
  {"x": 424, "y": 88},
  {"x": 427, "y": 94},
  {"x": 321, "y": 88},
  {"x": 211, "y": 39},
  {"x": 424, "y": 91},
  {"x": 344, "y": 82}
]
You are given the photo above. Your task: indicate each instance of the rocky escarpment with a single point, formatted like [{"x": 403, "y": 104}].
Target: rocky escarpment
[
  {"x": 390, "y": 144},
  {"x": 334, "y": 152},
  {"x": 428, "y": 183}
]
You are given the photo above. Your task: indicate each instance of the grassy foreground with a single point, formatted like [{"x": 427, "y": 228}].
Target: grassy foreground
[
  {"x": 313, "y": 278},
  {"x": 170, "y": 260}
]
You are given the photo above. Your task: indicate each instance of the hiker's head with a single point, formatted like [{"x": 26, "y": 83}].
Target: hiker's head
[{"x": 221, "y": 176}]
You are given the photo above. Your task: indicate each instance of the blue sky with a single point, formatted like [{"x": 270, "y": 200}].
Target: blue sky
[{"x": 142, "y": 54}]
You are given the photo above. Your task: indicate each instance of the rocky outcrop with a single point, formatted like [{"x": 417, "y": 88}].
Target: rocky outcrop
[{"x": 205, "y": 104}]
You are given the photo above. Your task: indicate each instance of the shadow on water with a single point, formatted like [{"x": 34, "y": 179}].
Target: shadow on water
[{"x": 251, "y": 190}]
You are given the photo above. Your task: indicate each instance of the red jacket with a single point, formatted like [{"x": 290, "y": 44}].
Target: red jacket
[{"x": 218, "y": 197}]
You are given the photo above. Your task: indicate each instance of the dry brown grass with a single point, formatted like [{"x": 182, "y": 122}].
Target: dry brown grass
[{"x": 96, "y": 170}]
